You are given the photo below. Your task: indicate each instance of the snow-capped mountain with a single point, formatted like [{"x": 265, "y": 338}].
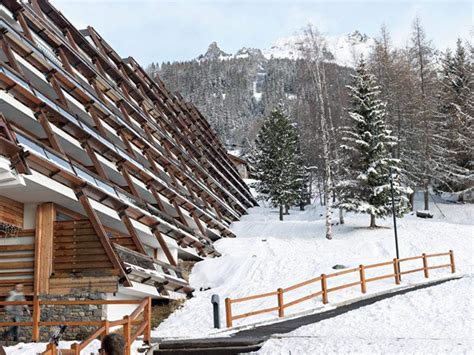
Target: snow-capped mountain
[{"x": 343, "y": 50}]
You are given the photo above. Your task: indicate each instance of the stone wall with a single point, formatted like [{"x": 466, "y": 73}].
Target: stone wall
[
  {"x": 79, "y": 312},
  {"x": 62, "y": 313}
]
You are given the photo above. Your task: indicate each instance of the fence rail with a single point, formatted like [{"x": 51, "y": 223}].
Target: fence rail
[
  {"x": 139, "y": 318},
  {"x": 323, "y": 280}
]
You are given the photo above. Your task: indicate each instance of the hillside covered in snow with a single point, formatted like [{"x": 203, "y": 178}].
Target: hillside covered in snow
[{"x": 268, "y": 254}]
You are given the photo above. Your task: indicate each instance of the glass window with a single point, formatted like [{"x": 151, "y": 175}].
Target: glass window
[
  {"x": 30, "y": 145},
  {"x": 59, "y": 161},
  {"x": 82, "y": 174},
  {"x": 106, "y": 187}
]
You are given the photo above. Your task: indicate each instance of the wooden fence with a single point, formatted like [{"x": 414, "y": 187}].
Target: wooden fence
[
  {"x": 127, "y": 323},
  {"x": 323, "y": 280}
]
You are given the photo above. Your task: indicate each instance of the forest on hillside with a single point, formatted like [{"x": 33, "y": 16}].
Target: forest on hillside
[{"x": 427, "y": 95}]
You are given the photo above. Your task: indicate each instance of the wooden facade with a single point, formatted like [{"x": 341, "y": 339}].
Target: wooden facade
[{"x": 111, "y": 177}]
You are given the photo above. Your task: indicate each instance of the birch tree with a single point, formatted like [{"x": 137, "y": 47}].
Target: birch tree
[{"x": 313, "y": 50}]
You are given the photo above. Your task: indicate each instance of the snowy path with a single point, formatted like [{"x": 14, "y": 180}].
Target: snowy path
[{"x": 268, "y": 254}]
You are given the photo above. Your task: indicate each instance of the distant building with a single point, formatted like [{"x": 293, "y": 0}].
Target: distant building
[
  {"x": 107, "y": 179},
  {"x": 241, "y": 164}
]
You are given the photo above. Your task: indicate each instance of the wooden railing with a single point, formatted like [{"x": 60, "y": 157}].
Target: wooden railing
[
  {"x": 323, "y": 280},
  {"x": 141, "y": 323}
]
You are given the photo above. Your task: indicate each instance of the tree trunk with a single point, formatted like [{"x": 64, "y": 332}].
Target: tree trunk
[
  {"x": 320, "y": 192},
  {"x": 426, "y": 196},
  {"x": 341, "y": 216},
  {"x": 301, "y": 205},
  {"x": 372, "y": 221},
  {"x": 412, "y": 200},
  {"x": 281, "y": 212}
]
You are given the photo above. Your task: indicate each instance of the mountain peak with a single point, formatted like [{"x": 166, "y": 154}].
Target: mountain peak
[{"x": 213, "y": 53}]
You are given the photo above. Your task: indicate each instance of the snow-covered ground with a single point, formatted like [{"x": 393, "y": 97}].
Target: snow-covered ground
[
  {"x": 436, "y": 320},
  {"x": 38, "y": 348},
  {"x": 268, "y": 254}
]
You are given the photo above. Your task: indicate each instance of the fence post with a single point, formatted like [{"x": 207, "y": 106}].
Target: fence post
[
  {"x": 396, "y": 270},
  {"x": 451, "y": 257},
  {"x": 36, "y": 318},
  {"x": 281, "y": 306},
  {"x": 76, "y": 348},
  {"x": 362, "y": 279},
  {"x": 228, "y": 312},
  {"x": 324, "y": 288},
  {"x": 425, "y": 265},
  {"x": 147, "y": 319},
  {"x": 126, "y": 334},
  {"x": 106, "y": 326}
]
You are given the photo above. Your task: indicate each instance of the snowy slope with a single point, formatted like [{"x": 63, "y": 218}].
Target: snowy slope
[
  {"x": 345, "y": 49},
  {"x": 268, "y": 254},
  {"x": 429, "y": 321}
]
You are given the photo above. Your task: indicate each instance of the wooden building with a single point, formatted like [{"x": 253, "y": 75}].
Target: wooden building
[{"x": 107, "y": 179}]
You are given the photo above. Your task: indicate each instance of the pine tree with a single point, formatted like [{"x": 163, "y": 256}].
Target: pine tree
[
  {"x": 456, "y": 111},
  {"x": 367, "y": 144},
  {"x": 277, "y": 162}
]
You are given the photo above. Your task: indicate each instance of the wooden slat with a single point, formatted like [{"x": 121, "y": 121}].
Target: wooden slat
[
  {"x": 16, "y": 256},
  {"x": 16, "y": 265},
  {"x": 302, "y": 299},
  {"x": 17, "y": 247},
  {"x": 438, "y": 266},
  {"x": 73, "y": 232},
  {"x": 79, "y": 258},
  {"x": 85, "y": 245},
  {"x": 380, "y": 277},
  {"x": 254, "y": 297},
  {"x": 82, "y": 265},
  {"x": 75, "y": 239},
  {"x": 265, "y": 310},
  {"x": 11, "y": 211},
  {"x": 78, "y": 251},
  {"x": 435, "y": 255},
  {"x": 378, "y": 265},
  {"x": 411, "y": 258},
  {"x": 343, "y": 272},
  {"x": 343, "y": 286},
  {"x": 301, "y": 284}
]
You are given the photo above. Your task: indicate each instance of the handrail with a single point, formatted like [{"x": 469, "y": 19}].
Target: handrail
[
  {"x": 143, "y": 325},
  {"x": 325, "y": 290}
]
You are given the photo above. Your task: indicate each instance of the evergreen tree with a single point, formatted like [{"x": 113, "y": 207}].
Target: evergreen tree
[
  {"x": 367, "y": 144},
  {"x": 456, "y": 121},
  {"x": 276, "y": 161}
]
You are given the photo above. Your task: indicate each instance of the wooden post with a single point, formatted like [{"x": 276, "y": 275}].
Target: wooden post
[
  {"x": 228, "y": 312},
  {"x": 324, "y": 288},
  {"x": 76, "y": 348},
  {"x": 363, "y": 287},
  {"x": 281, "y": 306},
  {"x": 35, "y": 318},
  {"x": 425, "y": 265},
  {"x": 451, "y": 257},
  {"x": 126, "y": 334},
  {"x": 147, "y": 319},
  {"x": 50, "y": 349},
  {"x": 396, "y": 271},
  {"x": 106, "y": 326}
]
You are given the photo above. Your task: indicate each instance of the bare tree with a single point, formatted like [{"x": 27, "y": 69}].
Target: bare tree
[{"x": 312, "y": 48}]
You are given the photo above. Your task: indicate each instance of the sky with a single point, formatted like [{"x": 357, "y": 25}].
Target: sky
[{"x": 176, "y": 30}]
